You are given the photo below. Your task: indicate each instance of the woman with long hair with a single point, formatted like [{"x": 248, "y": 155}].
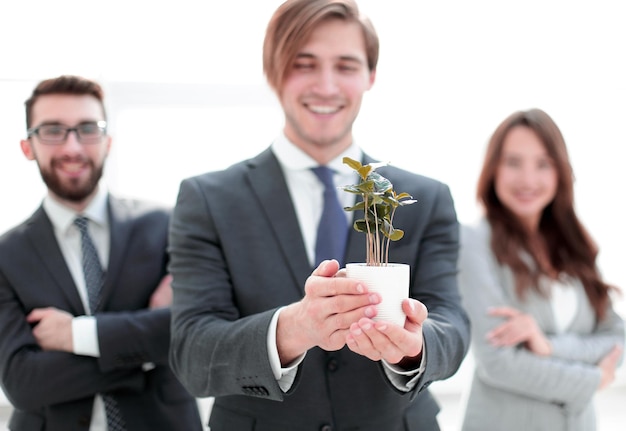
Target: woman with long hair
[{"x": 545, "y": 336}]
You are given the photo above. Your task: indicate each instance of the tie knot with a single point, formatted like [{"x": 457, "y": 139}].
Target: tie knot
[
  {"x": 81, "y": 222},
  {"x": 325, "y": 175}
]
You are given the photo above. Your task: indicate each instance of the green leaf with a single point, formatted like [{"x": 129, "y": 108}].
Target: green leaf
[
  {"x": 383, "y": 211},
  {"x": 396, "y": 235},
  {"x": 377, "y": 165},
  {"x": 357, "y": 207},
  {"x": 352, "y": 189},
  {"x": 366, "y": 187},
  {"x": 391, "y": 201},
  {"x": 364, "y": 171},
  {"x": 381, "y": 184},
  {"x": 379, "y": 202},
  {"x": 354, "y": 164},
  {"x": 361, "y": 226}
]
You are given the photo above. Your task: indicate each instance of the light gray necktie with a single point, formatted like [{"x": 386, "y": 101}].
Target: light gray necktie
[{"x": 94, "y": 278}]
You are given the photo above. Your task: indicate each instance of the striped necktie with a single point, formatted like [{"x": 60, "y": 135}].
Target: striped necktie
[{"x": 94, "y": 278}]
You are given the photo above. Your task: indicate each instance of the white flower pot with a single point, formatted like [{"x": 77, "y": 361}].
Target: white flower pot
[{"x": 391, "y": 282}]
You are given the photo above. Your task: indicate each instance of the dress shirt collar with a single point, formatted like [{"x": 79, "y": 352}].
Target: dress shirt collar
[
  {"x": 62, "y": 216},
  {"x": 293, "y": 158}
]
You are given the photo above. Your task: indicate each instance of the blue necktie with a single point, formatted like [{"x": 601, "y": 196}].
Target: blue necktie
[
  {"x": 94, "y": 278},
  {"x": 332, "y": 231}
]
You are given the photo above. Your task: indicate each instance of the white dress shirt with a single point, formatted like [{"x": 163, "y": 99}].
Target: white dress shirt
[
  {"x": 307, "y": 191},
  {"x": 564, "y": 301},
  {"x": 84, "y": 328}
]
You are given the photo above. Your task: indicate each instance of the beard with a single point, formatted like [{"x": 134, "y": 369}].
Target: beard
[{"x": 76, "y": 189}]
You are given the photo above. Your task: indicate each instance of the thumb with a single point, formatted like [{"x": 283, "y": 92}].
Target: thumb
[
  {"x": 415, "y": 311},
  {"x": 327, "y": 268}
]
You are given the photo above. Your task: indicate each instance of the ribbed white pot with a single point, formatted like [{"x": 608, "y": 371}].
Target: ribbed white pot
[{"x": 391, "y": 282}]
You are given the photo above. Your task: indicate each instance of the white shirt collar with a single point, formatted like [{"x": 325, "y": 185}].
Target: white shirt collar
[
  {"x": 293, "y": 158},
  {"x": 62, "y": 216}
]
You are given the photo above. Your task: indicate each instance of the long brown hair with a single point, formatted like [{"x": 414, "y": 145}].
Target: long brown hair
[
  {"x": 291, "y": 27},
  {"x": 570, "y": 247}
]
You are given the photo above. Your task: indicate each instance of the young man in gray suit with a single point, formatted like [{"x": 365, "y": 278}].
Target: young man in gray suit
[
  {"x": 281, "y": 342},
  {"x": 84, "y": 295}
]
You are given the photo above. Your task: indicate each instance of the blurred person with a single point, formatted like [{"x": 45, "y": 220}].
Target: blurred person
[
  {"x": 281, "y": 342},
  {"x": 84, "y": 293},
  {"x": 545, "y": 337}
]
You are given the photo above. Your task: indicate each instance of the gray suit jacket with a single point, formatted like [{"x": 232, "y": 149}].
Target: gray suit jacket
[
  {"x": 237, "y": 255},
  {"x": 512, "y": 389},
  {"x": 54, "y": 390}
]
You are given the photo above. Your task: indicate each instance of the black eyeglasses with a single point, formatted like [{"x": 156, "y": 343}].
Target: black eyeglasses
[{"x": 56, "y": 134}]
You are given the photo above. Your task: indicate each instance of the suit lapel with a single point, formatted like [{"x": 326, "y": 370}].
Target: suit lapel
[
  {"x": 120, "y": 225},
  {"x": 268, "y": 184},
  {"x": 42, "y": 240}
]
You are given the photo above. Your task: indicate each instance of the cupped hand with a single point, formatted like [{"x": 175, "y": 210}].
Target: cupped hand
[
  {"x": 323, "y": 317},
  {"x": 393, "y": 343}
]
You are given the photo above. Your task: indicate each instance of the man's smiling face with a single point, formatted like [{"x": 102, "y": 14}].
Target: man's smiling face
[{"x": 322, "y": 93}]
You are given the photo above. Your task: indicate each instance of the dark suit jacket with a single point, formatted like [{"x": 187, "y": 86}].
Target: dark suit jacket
[
  {"x": 237, "y": 255},
  {"x": 53, "y": 390}
]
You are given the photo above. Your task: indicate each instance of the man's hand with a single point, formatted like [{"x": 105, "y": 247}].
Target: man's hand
[
  {"x": 518, "y": 328},
  {"x": 53, "y": 330},
  {"x": 323, "y": 317},
  {"x": 162, "y": 296},
  {"x": 393, "y": 343}
]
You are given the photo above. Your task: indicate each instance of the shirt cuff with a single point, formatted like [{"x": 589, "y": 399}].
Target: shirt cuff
[
  {"x": 405, "y": 380},
  {"x": 283, "y": 375},
  {"x": 85, "y": 336}
]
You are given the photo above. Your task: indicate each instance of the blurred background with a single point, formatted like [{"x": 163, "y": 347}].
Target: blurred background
[{"x": 185, "y": 94}]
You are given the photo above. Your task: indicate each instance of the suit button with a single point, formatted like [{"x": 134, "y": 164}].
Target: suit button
[
  {"x": 83, "y": 422},
  {"x": 332, "y": 365},
  {"x": 326, "y": 428}
]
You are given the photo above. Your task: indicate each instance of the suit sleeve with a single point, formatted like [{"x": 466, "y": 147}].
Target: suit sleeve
[
  {"x": 446, "y": 330},
  {"x": 514, "y": 369},
  {"x": 129, "y": 333},
  {"x": 208, "y": 335},
  {"x": 590, "y": 348},
  {"x": 129, "y": 339},
  {"x": 33, "y": 378}
]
